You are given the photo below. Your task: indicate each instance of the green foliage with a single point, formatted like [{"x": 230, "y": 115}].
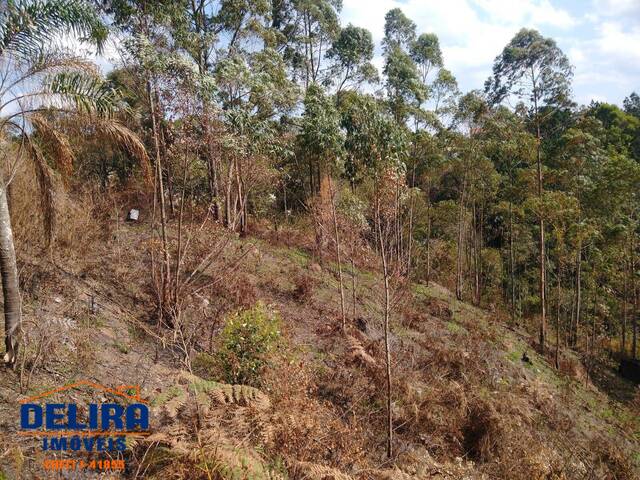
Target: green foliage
[
  {"x": 399, "y": 30},
  {"x": 531, "y": 66},
  {"x": 426, "y": 52},
  {"x": 25, "y": 26},
  {"x": 320, "y": 139},
  {"x": 632, "y": 104},
  {"x": 352, "y": 53},
  {"x": 245, "y": 343}
]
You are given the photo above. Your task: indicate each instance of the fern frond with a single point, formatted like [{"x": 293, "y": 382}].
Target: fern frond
[{"x": 313, "y": 471}]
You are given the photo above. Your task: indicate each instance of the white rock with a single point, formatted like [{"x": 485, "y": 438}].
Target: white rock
[{"x": 133, "y": 215}]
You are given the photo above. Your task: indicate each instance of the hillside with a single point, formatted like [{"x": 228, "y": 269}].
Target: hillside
[
  {"x": 465, "y": 404},
  {"x": 319, "y": 240}
]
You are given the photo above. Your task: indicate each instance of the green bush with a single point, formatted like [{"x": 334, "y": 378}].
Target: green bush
[{"x": 245, "y": 343}]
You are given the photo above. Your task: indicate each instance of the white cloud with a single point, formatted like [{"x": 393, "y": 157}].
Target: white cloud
[
  {"x": 534, "y": 12},
  {"x": 619, "y": 43},
  {"x": 615, "y": 7},
  {"x": 601, "y": 40}
]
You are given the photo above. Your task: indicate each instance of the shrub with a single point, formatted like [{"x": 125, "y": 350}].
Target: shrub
[
  {"x": 303, "y": 287},
  {"x": 245, "y": 343}
]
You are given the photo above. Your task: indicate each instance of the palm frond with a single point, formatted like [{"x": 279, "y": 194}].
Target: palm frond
[
  {"x": 57, "y": 60},
  {"x": 47, "y": 62},
  {"x": 131, "y": 142},
  {"x": 45, "y": 183},
  {"x": 61, "y": 150},
  {"x": 26, "y": 25},
  {"x": 88, "y": 94}
]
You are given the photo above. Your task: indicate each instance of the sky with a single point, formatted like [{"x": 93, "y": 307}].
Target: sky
[{"x": 600, "y": 37}]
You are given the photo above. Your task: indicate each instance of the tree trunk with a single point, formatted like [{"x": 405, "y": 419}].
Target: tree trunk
[
  {"x": 625, "y": 295},
  {"x": 166, "y": 276},
  {"x": 353, "y": 285},
  {"x": 459, "y": 246},
  {"x": 180, "y": 228},
  {"x": 10, "y": 286},
  {"x": 634, "y": 319},
  {"x": 387, "y": 307},
  {"x": 543, "y": 285},
  {"x": 337, "y": 239},
  {"x": 512, "y": 265},
  {"x": 476, "y": 257},
  {"x": 543, "y": 307},
  {"x": 428, "y": 238},
  {"x": 578, "y": 299},
  {"x": 410, "y": 237},
  {"x": 227, "y": 196},
  {"x": 558, "y": 306}
]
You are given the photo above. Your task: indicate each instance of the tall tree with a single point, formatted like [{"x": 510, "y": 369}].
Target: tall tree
[
  {"x": 351, "y": 54},
  {"x": 404, "y": 88},
  {"x": 632, "y": 104},
  {"x": 534, "y": 69}
]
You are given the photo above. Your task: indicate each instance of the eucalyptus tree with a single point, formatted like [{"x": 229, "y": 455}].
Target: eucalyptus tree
[
  {"x": 534, "y": 69},
  {"x": 466, "y": 162},
  {"x": 404, "y": 88},
  {"x": 425, "y": 52},
  {"x": 508, "y": 144},
  {"x": 632, "y": 104},
  {"x": 37, "y": 76},
  {"x": 579, "y": 156},
  {"x": 561, "y": 212},
  {"x": 320, "y": 138},
  {"x": 351, "y": 54},
  {"x": 621, "y": 132},
  {"x": 320, "y": 142},
  {"x": 444, "y": 93},
  {"x": 253, "y": 91},
  {"x": 304, "y": 30},
  {"x": 389, "y": 149},
  {"x": 614, "y": 199},
  {"x": 430, "y": 165},
  {"x": 399, "y": 30},
  {"x": 375, "y": 150}
]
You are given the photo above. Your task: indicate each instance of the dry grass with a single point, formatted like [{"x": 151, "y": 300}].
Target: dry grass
[{"x": 464, "y": 404}]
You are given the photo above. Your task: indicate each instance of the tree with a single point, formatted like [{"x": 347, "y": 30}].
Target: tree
[
  {"x": 352, "y": 53},
  {"x": 320, "y": 141},
  {"x": 426, "y": 52},
  {"x": 399, "y": 30},
  {"x": 404, "y": 89},
  {"x": 38, "y": 78},
  {"x": 534, "y": 69},
  {"x": 444, "y": 91},
  {"x": 305, "y": 30},
  {"x": 632, "y": 104},
  {"x": 510, "y": 147}
]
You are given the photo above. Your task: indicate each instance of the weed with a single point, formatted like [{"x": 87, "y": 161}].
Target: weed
[
  {"x": 121, "y": 347},
  {"x": 204, "y": 365},
  {"x": 453, "y": 327},
  {"x": 303, "y": 287},
  {"x": 245, "y": 343}
]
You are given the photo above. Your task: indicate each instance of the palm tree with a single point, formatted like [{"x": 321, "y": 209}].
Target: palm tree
[{"x": 38, "y": 76}]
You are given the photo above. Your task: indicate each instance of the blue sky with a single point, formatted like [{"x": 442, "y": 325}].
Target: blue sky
[{"x": 600, "y": 37}]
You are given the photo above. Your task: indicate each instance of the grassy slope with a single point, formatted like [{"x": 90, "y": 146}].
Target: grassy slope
[{"x": 465, "y": 405}]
